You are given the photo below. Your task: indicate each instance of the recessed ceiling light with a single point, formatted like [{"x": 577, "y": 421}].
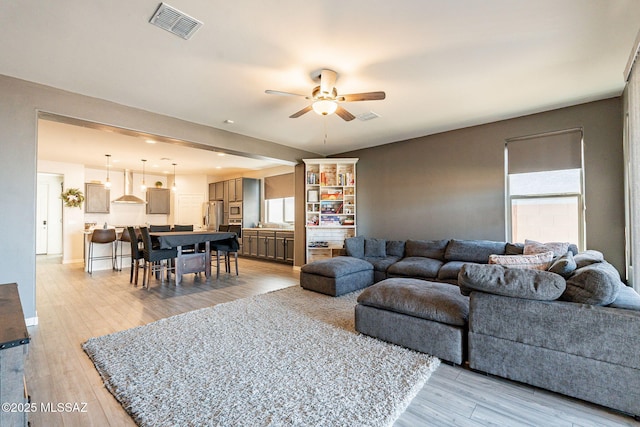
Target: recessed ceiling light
[
  {"x": 221, "y": 154},
  {"x": 229, "y": 122},
  {"x": 150, "y": 141},
  {"x": 218, "y": 167}
]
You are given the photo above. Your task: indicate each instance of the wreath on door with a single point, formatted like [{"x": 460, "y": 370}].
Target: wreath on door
[{"x": 73, "y": 198}]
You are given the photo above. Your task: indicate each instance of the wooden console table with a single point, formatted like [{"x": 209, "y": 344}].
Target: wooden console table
[{"x": 14, "y": 340}]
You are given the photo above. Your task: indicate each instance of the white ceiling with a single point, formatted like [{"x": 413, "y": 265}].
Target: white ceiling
[{"x": 443, "y": 64}]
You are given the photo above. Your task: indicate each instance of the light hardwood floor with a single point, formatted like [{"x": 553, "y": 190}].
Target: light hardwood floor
[{"x": 73, "y": 307}]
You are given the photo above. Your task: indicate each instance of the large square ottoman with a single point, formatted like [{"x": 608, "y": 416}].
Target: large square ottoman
[
  {"x": 336, "y": 276},
  {"x": 429, "y": 317}
]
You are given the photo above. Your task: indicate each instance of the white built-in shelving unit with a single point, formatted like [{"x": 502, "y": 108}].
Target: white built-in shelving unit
[{"x": 330, "y": 203}]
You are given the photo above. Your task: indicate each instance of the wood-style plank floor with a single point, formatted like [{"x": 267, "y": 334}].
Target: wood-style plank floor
[{"x": 73, "y": 307}]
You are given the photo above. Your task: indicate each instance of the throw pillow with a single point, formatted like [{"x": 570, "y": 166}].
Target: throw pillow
[
  {"x": 558, "y": 248},
  {"x": 595, "y": 284},
  {"x": 510, "y": 282},
  {"x": 375, "y": 248},
  {"x": 588, "y": 257},
  {"x": 564, "y": 266},
  {"x": 533, "y": 262},
  {"x": 355, "y": 246}
]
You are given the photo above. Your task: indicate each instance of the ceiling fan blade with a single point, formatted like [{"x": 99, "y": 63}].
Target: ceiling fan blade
[
  {"x": 301, "y": 112},
  {"x": 327, "y": 81},
  {"x": 366, "y": 96},
  {"x": 277, "y": 92},
  {"x": 344, "y": 114}
]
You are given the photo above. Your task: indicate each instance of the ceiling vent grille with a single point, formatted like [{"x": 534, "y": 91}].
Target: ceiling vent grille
[
  {"x": 368, "y": 116},
  {"x": 174, "y": 21}
]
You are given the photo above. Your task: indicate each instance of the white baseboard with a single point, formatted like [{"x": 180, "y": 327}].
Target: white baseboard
[
  {"x": 72, "y": 261},
  {"x": 31, "y": 321}
]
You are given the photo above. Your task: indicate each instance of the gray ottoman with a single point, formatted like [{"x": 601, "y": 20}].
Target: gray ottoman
[
  {"x": 336, "y": 276},
  {"x": 429, "y": 317}
]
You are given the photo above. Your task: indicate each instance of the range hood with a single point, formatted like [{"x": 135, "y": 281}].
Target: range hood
[{"x": 128, "y": 196}]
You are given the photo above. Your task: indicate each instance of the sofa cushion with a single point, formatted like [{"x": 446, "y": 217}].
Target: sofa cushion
[
  {"x": 473, "y": 250},
  {"x": 596, "y": 284},
  {"x": 337, "y": 266},
  {"x": 419, "y": 267},
  {"x": 354, "y": 246},
  {"x": 511, "y": 282},
  {"x": 514, "y": 249},
  {"x": 375, "y": 248},
  {"x": 438, "y": 302},
  {"x": 627, "y": 298},
  {"x": 564, "y": 266},
  {"x": 426, "y": 248},
  {"x": 395, "y": 248},
  {"x": 587, "y": 258},
  {"x": 450, "y": 270},
  {"x": 382, "y": 264},
  {"x": 529, "y": 262},
  {"x": 532, "y": 247}
]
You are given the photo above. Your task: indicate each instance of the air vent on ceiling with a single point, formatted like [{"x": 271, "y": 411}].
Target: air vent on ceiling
[
  {"x": 174, "y": 21},
  {"x": 368, "y": 116}
]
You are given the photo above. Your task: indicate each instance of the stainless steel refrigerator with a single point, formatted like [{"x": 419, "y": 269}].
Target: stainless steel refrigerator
[{"x": 212, "y": 215}]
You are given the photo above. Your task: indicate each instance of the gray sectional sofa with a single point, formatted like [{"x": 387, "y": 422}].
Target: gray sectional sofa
[{"x": 574, "y": 329}]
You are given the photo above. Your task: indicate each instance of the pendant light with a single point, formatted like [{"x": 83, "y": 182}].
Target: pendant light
[
  {"x": 107, "y": 183},
  {"x": 143, "y": 187},
  {"x": 175, "y": 187}
]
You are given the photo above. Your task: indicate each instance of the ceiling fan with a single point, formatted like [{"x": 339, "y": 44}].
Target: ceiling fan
[{"x": 325, "y": 97}]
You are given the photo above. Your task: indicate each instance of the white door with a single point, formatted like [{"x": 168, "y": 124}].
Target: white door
[
  {"x": 42, "y": 208},
  {"x": 189, "y": 209}
]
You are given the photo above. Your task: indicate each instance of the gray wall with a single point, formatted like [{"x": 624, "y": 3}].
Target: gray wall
[
  {"x": 19, "y": 106},
  {"x": 451, "y": 185}
]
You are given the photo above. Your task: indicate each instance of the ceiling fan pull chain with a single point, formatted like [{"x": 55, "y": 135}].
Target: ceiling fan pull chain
[{"x": 325, "y": 130}]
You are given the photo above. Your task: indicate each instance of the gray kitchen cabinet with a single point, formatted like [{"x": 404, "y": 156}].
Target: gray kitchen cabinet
[
  {"x": 216, "y": 191},
  {"x": 266, "y": 244},
  {"x": 158, "y": 201},
  {"x": 97, "y": 198},
  {"x": 249, "y": 243},
  {"x": 284, "y": 246}
]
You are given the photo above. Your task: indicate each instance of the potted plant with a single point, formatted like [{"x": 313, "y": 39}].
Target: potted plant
[{"x": 158, "y": 184}]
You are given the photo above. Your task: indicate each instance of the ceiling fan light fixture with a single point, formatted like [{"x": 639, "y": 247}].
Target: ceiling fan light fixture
[{"x": 325, "y": 107}]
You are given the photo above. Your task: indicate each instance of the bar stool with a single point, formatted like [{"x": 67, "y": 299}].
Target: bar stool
[
  {"x": 124, "y": 237},
  {"x": 98, "y": 237},
  {"x": 137, "y": 257}
]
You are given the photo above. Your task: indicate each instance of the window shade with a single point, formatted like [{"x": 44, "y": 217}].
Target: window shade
[
  {"x": 279, "y": 186},
  {"x": 562, "y": 150}
]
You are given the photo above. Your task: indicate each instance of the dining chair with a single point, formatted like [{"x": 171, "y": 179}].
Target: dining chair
[
  {"x": 186, "y": 248},
  {"x": 137, "y": 257},
  {"x": 101, "y": 236},
  {"x": 155, "y": 260},
  {"x": 159, "y": 228},
  {"x": 225, "y": 248}
]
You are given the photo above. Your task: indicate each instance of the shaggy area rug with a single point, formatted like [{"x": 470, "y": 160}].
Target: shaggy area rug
[{"x": 287, "y": 358}]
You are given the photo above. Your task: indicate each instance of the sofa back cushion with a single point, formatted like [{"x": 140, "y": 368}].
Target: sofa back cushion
[
  {"x": 395, "y": 248},
  {"x": 354, "y": 246},
  {"x": 596, "y": 284},
  {"x": 473, "y": 250},
  {"x": 510, "y": 282},
  {"x": 426, "y": 248},
  {"x": 375, "y": 248}
]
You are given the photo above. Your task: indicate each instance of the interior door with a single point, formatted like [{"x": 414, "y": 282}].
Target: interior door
[{"x": 42, "y": 214}]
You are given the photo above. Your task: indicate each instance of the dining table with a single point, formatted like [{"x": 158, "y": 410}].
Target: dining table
[{"x": 198, "y": 260}]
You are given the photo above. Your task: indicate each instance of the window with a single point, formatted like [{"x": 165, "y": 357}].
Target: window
[
  {"x": 280, "y": 210},
  {"x": 545, "y": 191}
]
